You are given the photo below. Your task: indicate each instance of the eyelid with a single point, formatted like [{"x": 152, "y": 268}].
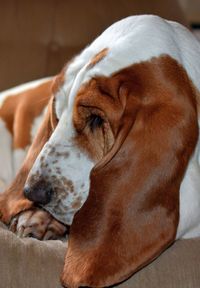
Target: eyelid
[
  {"x": 93, "y": 110},
  {"x": 82, "y": 116},
  {"x": 95, "y": 121}
]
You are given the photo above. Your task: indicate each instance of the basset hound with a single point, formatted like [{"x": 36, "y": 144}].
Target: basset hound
[{"x": 117, "y": 155}]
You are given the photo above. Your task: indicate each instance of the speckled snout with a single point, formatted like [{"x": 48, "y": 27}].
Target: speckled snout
[
  {"x": 59, "y": 181},
  {"x": 46, "y": 177}
]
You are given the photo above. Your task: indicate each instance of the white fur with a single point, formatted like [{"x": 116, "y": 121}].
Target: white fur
[
  {"x": 6, "y": 163},
  {"x": 18, "y": 158},
  {"x": 189, "y": 223},
  {"x": 189, "y": 210},
  {"x": 20, "y": 154}
]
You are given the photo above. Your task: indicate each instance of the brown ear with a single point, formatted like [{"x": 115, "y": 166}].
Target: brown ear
[
  {"x": 12, "y": 201},
  {"x": 132, "y": 212}
]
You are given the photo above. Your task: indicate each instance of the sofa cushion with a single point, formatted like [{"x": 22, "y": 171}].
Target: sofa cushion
[{"x": 30, "y": 263}]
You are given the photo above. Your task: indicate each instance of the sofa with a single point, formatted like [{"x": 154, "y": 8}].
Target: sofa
[
  {"x": 30, "y": 263},
  {"x": 36, "y": 39}
]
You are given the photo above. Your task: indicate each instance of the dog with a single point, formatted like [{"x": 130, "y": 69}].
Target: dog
[{"x": 116, "y": 156}]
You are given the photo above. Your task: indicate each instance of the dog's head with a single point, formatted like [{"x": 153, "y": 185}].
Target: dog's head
[
  {"x": 81, "y": 136},
  {"x": 122, "y": 136}
]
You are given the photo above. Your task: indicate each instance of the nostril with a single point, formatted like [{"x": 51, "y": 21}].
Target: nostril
[
  {"x": 49, "y": 193},
  {"x": 41, "y": 192}
]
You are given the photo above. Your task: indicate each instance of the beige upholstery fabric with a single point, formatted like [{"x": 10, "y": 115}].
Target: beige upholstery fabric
[{"x": 29, "y": 263}]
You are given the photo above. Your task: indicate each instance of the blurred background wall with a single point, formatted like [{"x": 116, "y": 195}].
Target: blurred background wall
[
  {"x": 191, "y": 9},
  {"x": 37, "y": 37}
]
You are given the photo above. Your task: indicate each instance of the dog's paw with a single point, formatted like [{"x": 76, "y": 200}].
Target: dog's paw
[
  {"x": 11, "y": 206},
  {"x": 37, "y": 223}
]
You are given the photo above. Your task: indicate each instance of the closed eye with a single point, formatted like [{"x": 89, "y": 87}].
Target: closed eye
[{"x": 95, "y": 121}]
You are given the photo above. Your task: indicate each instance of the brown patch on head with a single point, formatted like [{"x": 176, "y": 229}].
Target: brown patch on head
[{"x": 98, "y": 57}]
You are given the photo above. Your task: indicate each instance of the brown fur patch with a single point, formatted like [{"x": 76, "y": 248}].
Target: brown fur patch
[
  {"x": 19, "y": 112},
  {"x": 98, "y": 57},
  {"x": 152, "y": 110}
]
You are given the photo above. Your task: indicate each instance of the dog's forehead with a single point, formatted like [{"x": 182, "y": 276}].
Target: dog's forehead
[
  {"x": 131, "y": 41},
  {"x": 123, "y": 44}
]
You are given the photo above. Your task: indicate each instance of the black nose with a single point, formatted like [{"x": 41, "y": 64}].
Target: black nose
[{"x": 40, "y": 193}]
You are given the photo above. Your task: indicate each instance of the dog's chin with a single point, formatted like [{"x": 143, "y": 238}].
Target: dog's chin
[{"x": 64, "y": 218}]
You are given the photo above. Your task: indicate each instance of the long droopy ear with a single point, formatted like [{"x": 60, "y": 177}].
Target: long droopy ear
[
  {"x": 12, "y": 201},
  {"x": 132, "y": 212}
]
